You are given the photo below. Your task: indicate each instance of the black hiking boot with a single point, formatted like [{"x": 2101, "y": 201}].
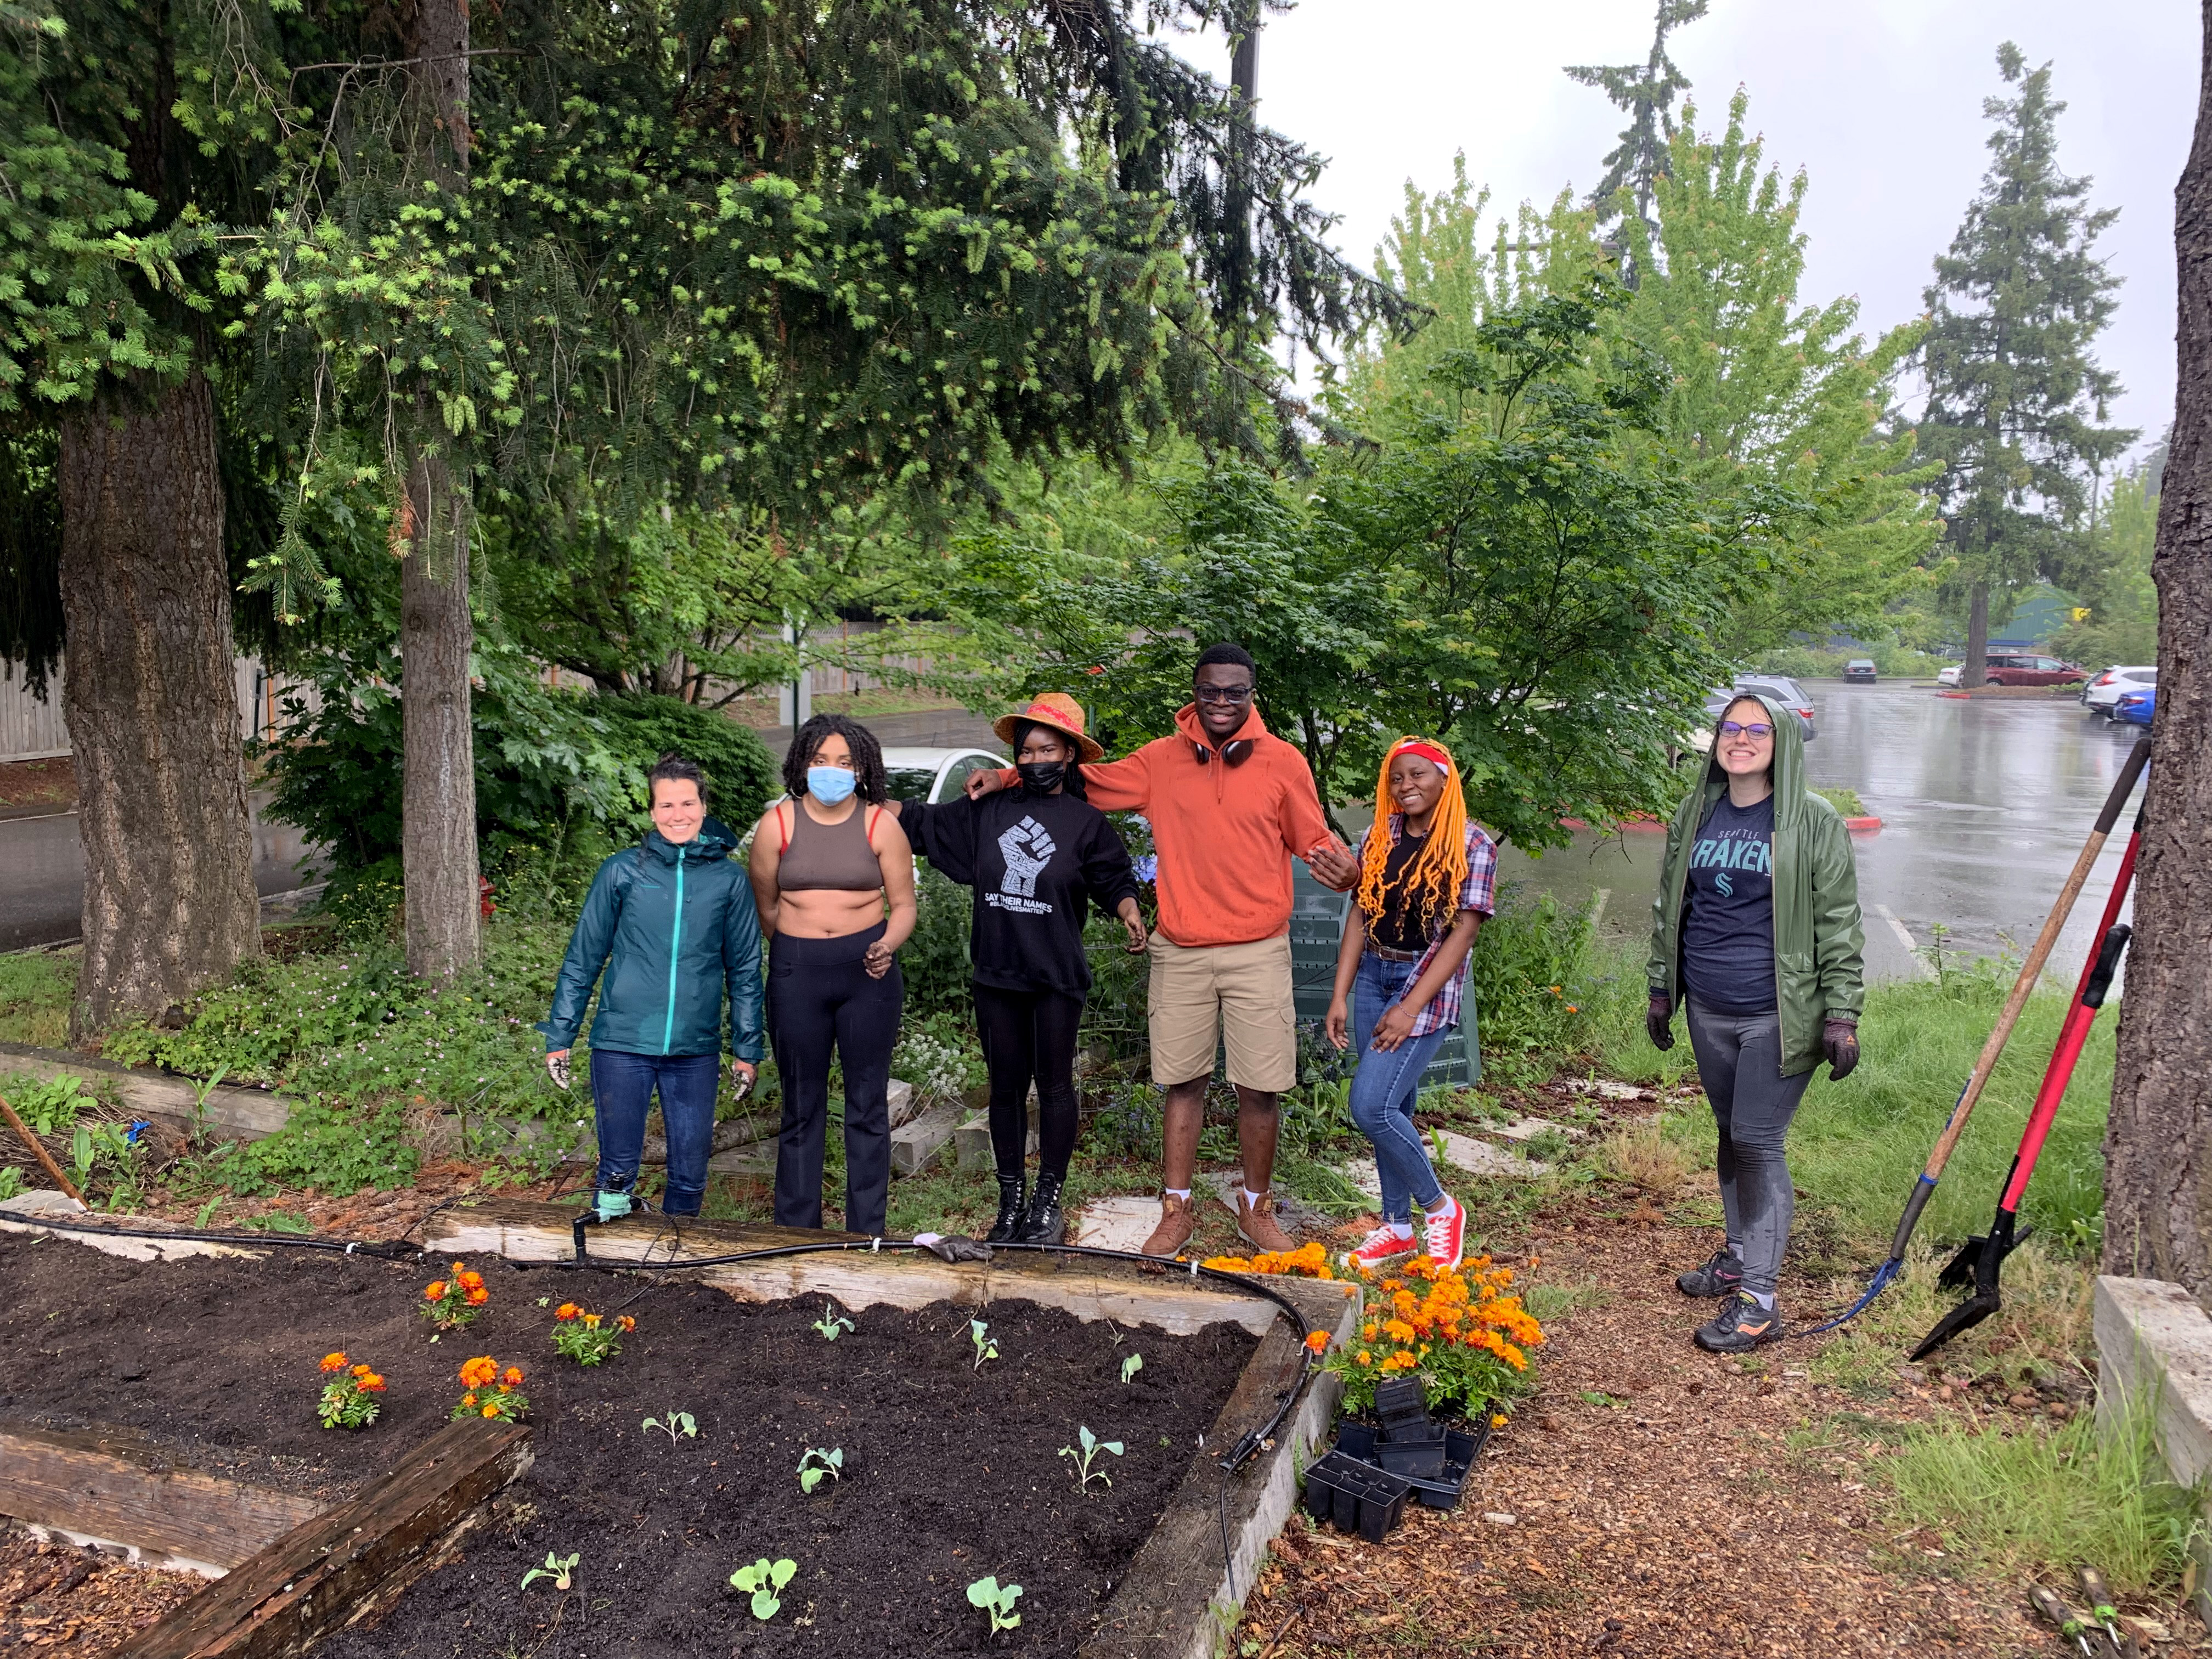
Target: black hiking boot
[
  {"x": 1044, "y": 1225},
  {"x": 1741, "y": 1326},
  {"x": 1723, "y": 1273},
  {"x": 1008, "y": 1226}
]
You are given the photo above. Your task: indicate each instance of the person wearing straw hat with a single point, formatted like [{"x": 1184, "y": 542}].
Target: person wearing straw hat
[
  {"x": 1038, "y": 858},
  {"x": 1426, "y": 878}
]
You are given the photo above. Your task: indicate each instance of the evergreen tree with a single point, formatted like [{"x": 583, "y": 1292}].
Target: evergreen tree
[
  {"x": 1646, "y": 91},
  {"x": 2016, "y": 402}
]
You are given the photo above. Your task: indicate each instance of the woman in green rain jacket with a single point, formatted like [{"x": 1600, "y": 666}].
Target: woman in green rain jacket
[
  {"x": 671, "y": 923},
  {"x": 1755, "y": 935}
]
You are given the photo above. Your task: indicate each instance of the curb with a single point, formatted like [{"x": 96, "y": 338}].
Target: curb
[{"x": 1862, "y": 825}]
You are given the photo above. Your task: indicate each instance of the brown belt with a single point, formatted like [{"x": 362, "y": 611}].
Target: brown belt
[{"x": 1389, "y": 955}]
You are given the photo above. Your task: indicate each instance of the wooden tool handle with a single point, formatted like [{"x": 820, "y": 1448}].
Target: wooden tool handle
[
  {"x": 53, "y": 1169},
  {"x": 2032, "y": 970}
]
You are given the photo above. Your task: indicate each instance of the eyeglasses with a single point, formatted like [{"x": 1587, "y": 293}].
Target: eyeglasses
[
  {"x": 1224, "y": 693},
  {"x": 1756, "y": 729}
]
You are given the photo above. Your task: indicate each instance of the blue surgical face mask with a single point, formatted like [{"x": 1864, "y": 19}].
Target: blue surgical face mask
[{"x": 829, "y": 784}]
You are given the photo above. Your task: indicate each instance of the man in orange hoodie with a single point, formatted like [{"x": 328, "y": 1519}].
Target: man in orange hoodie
[{"x": 1229, "y": 804}]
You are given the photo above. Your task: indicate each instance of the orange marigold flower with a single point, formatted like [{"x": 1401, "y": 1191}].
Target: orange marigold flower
[
  {"x": 372, "y": 1383},
  {"x": 476, "y": 1372},
  {"x": 1317, "y": 1340},
  {"x": 491, "y": 1408},
  {"x": 459, "y": 1269},
  {"x": 1365, "y": 1358},
  {"x": 479, "y": 1297},
  {"x": 626, "y": 1322},
  {"x": 512, "y": 1378},
  {"x": 565, "y": 1310},
  {"x": 1369, "y": 1331},
  {"x": 591, "y": 1321},
  {"x": 1398, "y": 1330},
  {"x": 334, "y": 1361},
  {"x": 1497, "y": 1421},
  {"x": 472, "y": 1279},
  {"x": 468, "y": 1399},
  {"x": 360, "y": 1371},
  {"x": 436, "y": 1293}
]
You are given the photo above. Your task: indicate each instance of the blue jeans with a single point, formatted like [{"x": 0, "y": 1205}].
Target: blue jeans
[
  {"x": 622, "y": 1092},
  {"x": 1386, "y": 1085}
]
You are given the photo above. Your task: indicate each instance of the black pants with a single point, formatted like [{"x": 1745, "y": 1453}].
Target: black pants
[
  {"x": 1740, "y": 1061},
  {"x": 819, "y": 997},
  {"x": 1030, "y": 1037}
]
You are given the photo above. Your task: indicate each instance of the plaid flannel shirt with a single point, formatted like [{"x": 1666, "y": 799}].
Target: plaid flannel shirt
[{"x": 1477, "y": 893}]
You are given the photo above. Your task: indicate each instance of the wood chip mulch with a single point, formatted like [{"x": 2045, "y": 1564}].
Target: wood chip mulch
[
  {"x": 59, "y": 1599},
  {"x": 1644, "y": 1505}
]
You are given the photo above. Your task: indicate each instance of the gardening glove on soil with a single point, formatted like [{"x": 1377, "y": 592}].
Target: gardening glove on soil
[
  {"x": 1840, "y": 1041},
  {"x": 957, "y": 1247},
  {"x": 1658, "y": 1021},
  {"x": 611, "y": 1206}
]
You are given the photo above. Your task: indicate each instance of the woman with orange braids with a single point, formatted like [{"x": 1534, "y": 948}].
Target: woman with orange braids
[{"x": 1427, "y": 874}]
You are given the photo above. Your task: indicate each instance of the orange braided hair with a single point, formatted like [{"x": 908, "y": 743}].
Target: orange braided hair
[{"x": 1439, "y": 869}]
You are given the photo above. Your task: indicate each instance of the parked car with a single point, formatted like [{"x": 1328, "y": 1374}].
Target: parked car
[
  {"x": 934, "y": 775},
  {"x": 1859, "y": 670},
  {"x": 2135, "y": 707},
  {"x": 2103, "y": 690},
  {"x": 1780, "y": 687},
  {"x": 2018, "y": 668}
]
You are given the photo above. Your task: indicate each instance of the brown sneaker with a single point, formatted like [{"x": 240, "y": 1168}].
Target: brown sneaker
[
  {"x": 1255, "y": 1224},
  {"x": 1178, "y": 1223}
]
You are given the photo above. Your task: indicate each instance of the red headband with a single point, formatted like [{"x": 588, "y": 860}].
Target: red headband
[{"x": 1427, "y": 751}]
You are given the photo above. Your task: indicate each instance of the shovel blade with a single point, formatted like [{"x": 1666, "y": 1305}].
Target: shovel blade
[{"x": 1967, "y": 1314}]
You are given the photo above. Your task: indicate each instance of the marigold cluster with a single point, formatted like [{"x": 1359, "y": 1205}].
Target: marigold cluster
[
  {"x": 345, "y": 1403},
  {"x": 1455, "y": 1325},
  {"x": 491, "y": 1392},
  {"x": 452, "y": 1303},
  {"x": 1308, "y": 1261}
]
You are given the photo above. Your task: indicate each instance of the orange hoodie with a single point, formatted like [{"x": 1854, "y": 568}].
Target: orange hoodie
[{"x": 1225, "y": 833}]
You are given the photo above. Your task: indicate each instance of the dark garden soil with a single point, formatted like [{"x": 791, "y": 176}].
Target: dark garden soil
[{"x": 951, "y": 1472}]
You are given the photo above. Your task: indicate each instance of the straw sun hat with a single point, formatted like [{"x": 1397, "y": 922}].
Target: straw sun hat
[{"x": 1057, "y": 710}]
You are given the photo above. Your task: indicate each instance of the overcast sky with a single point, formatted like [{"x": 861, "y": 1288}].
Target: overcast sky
[{"x": 1879, "y": 100}]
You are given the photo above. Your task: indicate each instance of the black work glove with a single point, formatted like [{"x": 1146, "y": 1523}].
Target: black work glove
[
  {"x": 1659, "y": 1021},
  {"x": 953, "y": 1246},
  {"x": 1840, "y": 1041}
]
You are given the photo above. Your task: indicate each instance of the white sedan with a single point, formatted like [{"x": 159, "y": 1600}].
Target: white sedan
[
  {"x": 935, "y": 774},
  {"x": 2104, "y": 690}
]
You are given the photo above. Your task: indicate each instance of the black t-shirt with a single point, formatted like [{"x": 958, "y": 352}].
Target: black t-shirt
[
  {"x": 1037, "y": 862},
  {"x": 1399, "y": 927},
  {"x": 1727, "y": 921}
]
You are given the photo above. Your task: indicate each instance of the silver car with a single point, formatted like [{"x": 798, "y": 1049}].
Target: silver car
[{"x": 1778, "y": 687}]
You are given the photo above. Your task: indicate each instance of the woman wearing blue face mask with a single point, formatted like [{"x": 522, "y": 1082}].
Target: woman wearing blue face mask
[{"x": 833, "y": 878}]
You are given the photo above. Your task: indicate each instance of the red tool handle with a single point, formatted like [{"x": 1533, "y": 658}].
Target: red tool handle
[{"x": 2071, "y": 1037}]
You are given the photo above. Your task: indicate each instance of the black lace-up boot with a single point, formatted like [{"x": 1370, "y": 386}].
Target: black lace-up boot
[
  {"x": 1045, "y": 1224},
  {"x": 1008, "y": 1226}
]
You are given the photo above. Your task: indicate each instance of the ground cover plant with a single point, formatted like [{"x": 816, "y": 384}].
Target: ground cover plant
[{"x": 945, "y": 1476}]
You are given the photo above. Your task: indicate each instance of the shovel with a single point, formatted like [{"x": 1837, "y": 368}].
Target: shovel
[{"x": 2030, "y": 971}]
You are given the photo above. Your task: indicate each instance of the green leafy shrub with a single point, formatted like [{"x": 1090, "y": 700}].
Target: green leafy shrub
[
  {"x": 336, "y": 1150},
  {"x": 1531, "y": 965},
  {"x": 935, "y": 961},
  {"x": 741, "y": 776}
]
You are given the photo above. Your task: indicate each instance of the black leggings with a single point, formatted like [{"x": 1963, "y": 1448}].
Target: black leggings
[
  {"x": 820, "y": 996},
  {"x": 1030, "y": 1036}
]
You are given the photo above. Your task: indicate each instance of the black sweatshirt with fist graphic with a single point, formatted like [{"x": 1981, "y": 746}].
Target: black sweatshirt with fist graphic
[{"x": 1037, "y": 863}]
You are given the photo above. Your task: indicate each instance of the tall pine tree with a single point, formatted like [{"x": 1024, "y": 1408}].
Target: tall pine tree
[
  {"x": 1647, "y": 92},
  {"x": 2016, "y": 402}
]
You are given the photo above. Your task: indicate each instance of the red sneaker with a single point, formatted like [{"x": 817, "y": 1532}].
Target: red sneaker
[
  {"x": 1445, "y": 1234},
  {"x": 1382, "y": 1246}
]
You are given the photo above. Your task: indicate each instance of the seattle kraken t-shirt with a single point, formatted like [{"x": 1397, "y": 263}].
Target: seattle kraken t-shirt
[{"x": 1727, "y": 921}]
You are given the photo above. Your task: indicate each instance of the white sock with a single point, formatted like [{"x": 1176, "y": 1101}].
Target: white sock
[
  {"x": 1251, "y": 1199},
  {"x": 1765, "y": 1303},
  {"x": 1443, "y": 1205},
  {"x": 1400, "y": 1229},
  {"x": 1182, "y": 1193}
]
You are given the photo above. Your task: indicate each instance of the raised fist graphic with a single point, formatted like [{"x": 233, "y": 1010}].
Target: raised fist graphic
[{"x": 1027, "y": 848}]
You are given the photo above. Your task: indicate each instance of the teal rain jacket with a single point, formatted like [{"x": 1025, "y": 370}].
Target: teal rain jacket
[
  {"x": 1818, "y": 940},
  {"x": 674, "y": 926}
]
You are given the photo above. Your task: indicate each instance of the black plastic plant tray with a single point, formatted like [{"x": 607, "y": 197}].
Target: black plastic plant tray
[
  {"x": 1420, "y": 1458},
  {"x": 1359, "y": 1446},
  {"x": 1401, "y": 1399},
  {"x": 1356, "y": 1496}
]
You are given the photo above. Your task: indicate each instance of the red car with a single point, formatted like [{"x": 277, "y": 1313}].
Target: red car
[{"x": 2010, "y": 670}]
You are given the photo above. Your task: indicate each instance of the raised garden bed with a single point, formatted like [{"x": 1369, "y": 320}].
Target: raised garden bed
[{"x": 950, "y": 1472}]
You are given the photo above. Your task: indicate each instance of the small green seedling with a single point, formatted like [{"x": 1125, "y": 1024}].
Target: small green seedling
[
  {"x": 832, "y": 1324},
  {"x": 997, "y": 1600},
  {"x": 1092, "y": 1445},
  {"x": 980, "y": 1334},
  {"x": 674, "y": 1424},
  {"x": 560, "y": 1569},
  {"x": 761, "y": 1581},
  {"x": 819, "y": 1465},
  {"x": 1132, "y": 1366}
]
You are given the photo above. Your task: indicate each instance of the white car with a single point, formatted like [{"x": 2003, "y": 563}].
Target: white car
[
  {"x": 2103, "y": 690},
  {"x": 935, "y": 774},
  {"x": 1950, "y": 676}
]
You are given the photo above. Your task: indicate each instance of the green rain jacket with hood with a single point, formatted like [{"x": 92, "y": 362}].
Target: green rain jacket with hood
[
  {"x": 1818, "y": 944},
  {"x": 673, "y": 925}
]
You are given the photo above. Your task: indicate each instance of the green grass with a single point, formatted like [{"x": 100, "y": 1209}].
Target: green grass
[
  {"x": 2041, "y": 1500},
  {"x": 35, "y": 988},
  {"x": 1845, "y": 801}
]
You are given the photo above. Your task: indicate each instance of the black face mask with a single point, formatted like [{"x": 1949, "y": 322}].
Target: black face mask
[{"x": 1042, "y": 777}]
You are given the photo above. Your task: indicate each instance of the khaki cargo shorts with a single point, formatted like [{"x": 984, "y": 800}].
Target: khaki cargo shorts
[{"x": 1236, "y": 995}]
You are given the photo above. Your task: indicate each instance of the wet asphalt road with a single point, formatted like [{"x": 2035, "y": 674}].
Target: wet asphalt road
[
  {"x": 42, "y": 874},
  {"x": 1985, "y": 806}
]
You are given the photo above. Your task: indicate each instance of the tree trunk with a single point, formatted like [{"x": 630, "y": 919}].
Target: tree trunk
[
  {"x": 146, "y": 689},
  {"x": 438, "y": 805},
  {"x": 1976, "y": 668},
  {"x": 2158, "y": 1144}
]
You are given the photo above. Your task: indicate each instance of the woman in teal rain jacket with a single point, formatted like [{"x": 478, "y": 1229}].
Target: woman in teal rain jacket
[{"x": 671, "y": 923}]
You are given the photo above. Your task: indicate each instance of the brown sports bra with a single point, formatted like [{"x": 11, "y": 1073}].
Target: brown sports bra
[{"x": 827, "y": 855}]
